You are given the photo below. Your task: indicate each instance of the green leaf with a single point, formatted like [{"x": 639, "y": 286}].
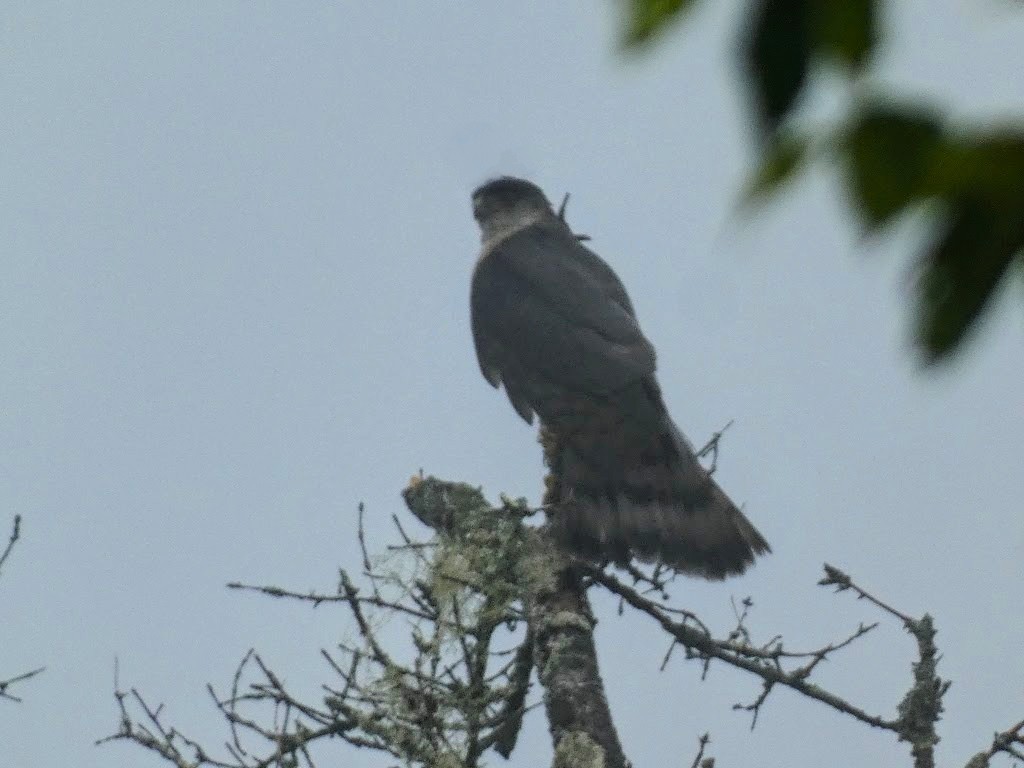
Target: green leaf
[
  {"x": 891, "y": 152},
  {"x": 984, "y": 162},
  {"x": 647, "y": 18},
  {"x": 981, "y": 239},
  {"x": 899, "y": 156},
  {"x": 846, "y": 30},
  {"x": 780, "y": 161},
  {"x": 776, "y": 57}
]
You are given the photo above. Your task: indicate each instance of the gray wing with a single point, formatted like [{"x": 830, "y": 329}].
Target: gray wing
[
  {"x": 598, "y": 268},
  {"x": 551, "y": 319}
]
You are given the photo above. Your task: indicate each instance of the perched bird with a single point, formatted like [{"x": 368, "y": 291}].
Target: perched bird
[{"x": 554, "y": 326}]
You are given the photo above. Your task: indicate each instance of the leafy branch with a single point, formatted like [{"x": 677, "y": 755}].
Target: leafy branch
[{"x": 897, "y": 156}]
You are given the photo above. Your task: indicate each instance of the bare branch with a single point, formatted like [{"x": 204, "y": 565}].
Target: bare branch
[
  {"x": 15, "y": 535},
  {"x": 699, "y": 761},
  {"x": 842, "y": 582},
  {"x": 561, "y": 215},
  {"x": 317, "y": 598},
  {"x": 455, "y": 697},
  {"x": 711, "y": 447},
  {"x": 5, "y": 684},
  {"x": 362, "y": 539},
  {"x": 489, "y": 600},
  {"x": 764, "y": 663}
]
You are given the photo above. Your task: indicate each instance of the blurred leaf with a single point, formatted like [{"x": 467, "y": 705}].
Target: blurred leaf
[
  {"x": 891, "y": 153},
  {"x": 776, "y": 57},
  {"x": 647, "y": 18},
  {"x": 845, "y": 29},
  {"x": 779, "y": 162},
  {"x": 982, "y": 238},
  {"x": 989, "y": 163}
]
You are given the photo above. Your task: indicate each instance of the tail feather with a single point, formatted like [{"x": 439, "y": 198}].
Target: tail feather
[{"x": 651, "y": 499}]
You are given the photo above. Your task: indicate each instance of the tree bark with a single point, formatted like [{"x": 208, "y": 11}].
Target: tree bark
[
  {"x": 559, "y": 614},
  {"x": 561, "y": 629}
]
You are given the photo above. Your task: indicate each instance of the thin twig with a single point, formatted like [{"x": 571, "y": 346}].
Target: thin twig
[
  {"x": 362, "y": 538},
  {"x": 15, "y": 535},
  {"x": 763, "y": 664},
  {"x": 841, "y": 581},
  {"x": 703, "y": 742},
  {"x": 5, "y": 684},
  {"x": 711, "y": 446}
]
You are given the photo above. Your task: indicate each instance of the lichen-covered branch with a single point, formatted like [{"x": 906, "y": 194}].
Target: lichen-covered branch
[
  {"x": 917, "y": 713},
  {"x": 921, "y": 707},
  {"x": 487, "y": 601},
  {"x": 1010, "y": 742},
  {"x": 460, "y": 692},
  {"x": 561, "y": 627},
  {"x": 559, "y": 615}
]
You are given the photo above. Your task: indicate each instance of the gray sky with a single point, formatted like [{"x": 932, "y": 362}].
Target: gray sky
[{"x": 237, "y": 248}]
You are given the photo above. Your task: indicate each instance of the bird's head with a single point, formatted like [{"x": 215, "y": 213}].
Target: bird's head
[{"x": 506, "y": 204}]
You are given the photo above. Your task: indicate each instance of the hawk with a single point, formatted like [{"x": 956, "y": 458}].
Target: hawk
[{"x": 553, "y": 325}]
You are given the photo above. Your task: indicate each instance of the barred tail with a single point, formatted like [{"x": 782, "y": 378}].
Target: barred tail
[{"x": 647, "y": 496}]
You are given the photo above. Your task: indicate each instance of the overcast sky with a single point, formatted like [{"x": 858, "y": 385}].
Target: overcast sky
[{"x": 234, "y": 284}]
